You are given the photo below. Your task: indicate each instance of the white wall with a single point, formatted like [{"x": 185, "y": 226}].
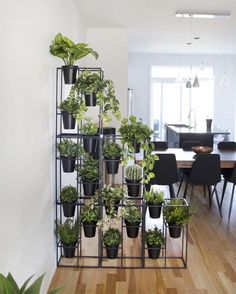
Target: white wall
[
  {"x": 224, "y": 100},
  {"x": 27, "y": 93}
]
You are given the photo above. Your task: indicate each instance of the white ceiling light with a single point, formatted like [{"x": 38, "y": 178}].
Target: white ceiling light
[{"x": 202, "y": 15}]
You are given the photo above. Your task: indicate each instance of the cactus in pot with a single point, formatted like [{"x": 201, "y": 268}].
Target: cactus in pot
[{"x": 133, "y": 176}]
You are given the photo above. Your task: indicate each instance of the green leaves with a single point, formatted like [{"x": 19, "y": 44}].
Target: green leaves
[
  {"x": 112, "y": 150},
  {"x": 154, "y": 237},
  {"x": 68, "y": 231},
  {"x": 112, "y": 237},
  {"x": 68, "y": 194}
]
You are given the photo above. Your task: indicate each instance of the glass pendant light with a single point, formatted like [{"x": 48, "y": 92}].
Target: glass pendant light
[
  {"x": 224, "y": 82},
  {"x": 188, "y": 84},
  {"x": 196, "y": 82}
]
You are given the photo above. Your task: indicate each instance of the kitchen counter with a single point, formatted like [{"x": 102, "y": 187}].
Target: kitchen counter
[{"x": 179, "y": 128}]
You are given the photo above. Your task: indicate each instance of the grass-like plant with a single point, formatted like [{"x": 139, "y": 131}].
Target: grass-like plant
[
  {"x": 154, "y": 197},
  {"x": 68, "y": 194},
  {"x": 68, "y": 231}
]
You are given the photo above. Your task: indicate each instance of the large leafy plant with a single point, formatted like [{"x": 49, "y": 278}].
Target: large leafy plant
[
  {"x": 154, "y": 237},
  {"x": 68, "y": 194},
  {"x": 176, "y": 212},
  {"x": 68, "y": 231},
  {"x": 68, "y": 51},
  {"x": 8, "y": 285},
  {"x": 112, "y": 237}
]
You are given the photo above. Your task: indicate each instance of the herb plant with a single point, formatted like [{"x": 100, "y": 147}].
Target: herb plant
[
  {"x": 70, "y": 105},
  {"x": 176, "y": 212},
  {"x": 68, "y": 194},
  {"x": 112, "y": 150},
  {"x": 112, "y": 237},
  {"x": 68, "y": 231},
  {"x": 154, "y": 238},
  {"x": 154, "y": 197},
  {"x": 68, "y": 148},
  {"x": 89, "y": 171}
]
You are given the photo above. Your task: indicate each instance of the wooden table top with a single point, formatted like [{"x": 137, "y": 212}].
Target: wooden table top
[{"x": 185, "y": 158}]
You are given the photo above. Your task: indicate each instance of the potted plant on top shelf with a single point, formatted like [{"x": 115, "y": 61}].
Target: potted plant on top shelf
[
  {"x": 89, "y": 130},
  {"x": 155, "y": 240},
  {"x": 68, "y": 233},
  {"x": 112, "y": 239},
  {"x": 68, "y": 197},
  {"x": 112, "y": 153},
  {"x": 89, "y": 217},
  {"x": 132, "y": 217},
  {"x": 154, "y": 200},
  {"x": 70, "y": 53},
  {"x": 133, "y": 176},
  {"x": 176, "y": 213}
]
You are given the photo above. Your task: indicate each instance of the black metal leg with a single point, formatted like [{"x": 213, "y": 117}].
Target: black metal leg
[
  {"x": 223, "y": 192},
  {"x": 204, "y": 187},
  {"x": 209, "y": 195},
  {"x": 172, "y": 192},
  {"x": 180, "y": 185},
  {"x": 185, "y": 190},
  {"x": 192, "y": 193},
  {"x": 231, "y": 202},
  {"x": 217, "y": 199}
]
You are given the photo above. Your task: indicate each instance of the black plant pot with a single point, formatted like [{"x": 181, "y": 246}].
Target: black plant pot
[
  {"x": 69, "y": 72},
  {"x": 112, "y": 252},
  {"x": 153, "y": 252},
  {"x": 90, "y": 188},
  {"x": 112, "y": 166},
  {"x": 90, "y": 229},
  {"x": 68, "y": 120},
  {"x": 68, "y": 209},
  {"x": 136, "y": 145},
  {"x": 175, "y": 231},
  {"x": 154, "y": 210},
  {"x": 90, "y": 99},
  {"x": 68, "y": 164},
  {"x": 90, "y": 144},
  {"x": 116, "y": 206},
  {"x": 133, "y": 188},
  {"x": 132, "y": 229},
  {"x": 69, "y": 249}
]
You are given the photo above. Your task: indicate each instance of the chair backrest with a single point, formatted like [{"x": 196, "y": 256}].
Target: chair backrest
[
  {"x": 160, "y": 145},
  {"x": 206, "y": 169},
  {"x": 165, "y": 170},
  {"x": 227, "y": 145},
  {"x": 187, "y": 145}
]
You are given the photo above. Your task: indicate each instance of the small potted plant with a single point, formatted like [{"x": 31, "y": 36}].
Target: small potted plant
[
  {"x": 89, "y": 217},
  {"x": 69, "y": 108},
  {"x": 68, "y": 197},
  {"x": 132, "y": 217},
  {"x": 154, "y": 201},
  {"x": 133, "y": 176},
  {"x": 176, "y": 214},
  {"x": 112, "y": 153},
  {"x": 89, "y": 129},
  {"x": 89, "y": 174},
  {"x": 112, "y": 239},
  {"x": 155, "y": 240},
  {"x": 68, "y": 233},
  {"x": 70, "y": 53},
  {"x": 68, "y": 150}
]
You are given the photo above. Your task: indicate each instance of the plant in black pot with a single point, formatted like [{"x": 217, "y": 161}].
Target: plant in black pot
[
  {"x": 69, "y": 108},
  {"x": 89, "y": 129},
  {"x": 132, "y": 217},
  {"x": 89, "y": 217},
  {"x": 112, "y": 239},
  {"x": 89, "y": 174},
  {"x": 155, "y": 240},
  {"x": 154, "y": 201},
  {"x": 133, "y": 176},
  {"x": 68, "y": 197},
  {"x": 112, "y": 153},
  {"x": 70, "y": 53},
  {"x": 176, "y": 214},
  {"x": 68, "y": 150},
  {"x": 68, "y": 233}
]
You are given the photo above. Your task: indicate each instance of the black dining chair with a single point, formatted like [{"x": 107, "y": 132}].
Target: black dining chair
[
  {"x": 160, "y": 145},
  {"x": 206, "y": 172},
  {"x": 165, "y": 171}
]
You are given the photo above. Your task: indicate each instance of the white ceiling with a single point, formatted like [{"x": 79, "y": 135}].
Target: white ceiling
[{"x": 152, "y": 27}]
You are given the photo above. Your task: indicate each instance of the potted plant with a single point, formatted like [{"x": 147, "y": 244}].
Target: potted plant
[
  {"x": 176, "y": 214},
  {"x": 89, "y": 174},
  {"x": 132, "y": 217},
  {"x": 70, "y": 53},
  {"x": 112, "y": 153},
  {"x": 69, "y": 108},
  {"x": 68, "y": 197},
  {"x": 68, "y": 233},
  {"x": 68, "y": 150},
  {"x": 155, "y": 240},
  {"x": 112, "y": 239},
  {"x": 154, "y": 201},
  {"x": 135, "y": 134},
  {"x": 133, "y": 176},
  {"x": 111, "y": 196},
  {"x": 89, "y": 129},
  {"x": 89, "y": 217}
]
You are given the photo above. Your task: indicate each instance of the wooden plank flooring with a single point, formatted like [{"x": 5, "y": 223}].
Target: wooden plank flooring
[{"x": 211, "y": 262}]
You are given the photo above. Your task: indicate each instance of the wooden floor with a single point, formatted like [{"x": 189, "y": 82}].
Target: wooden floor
[{"x": 211, "y": 262}]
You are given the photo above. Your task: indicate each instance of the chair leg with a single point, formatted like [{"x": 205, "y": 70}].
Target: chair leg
[
  {"x": 186, "y": 189},
  {"x": 209, "y": 195},
  {"x": 180, "y": 185},
  {"x": 223, "y": 192},
  {"x": 217, "y": 199},
  {"x": 231, "y": 202},
  {"x": 204, "y": 187},
  {"x": 172, "y": 192},
  {"x": 192, "y": 193}
]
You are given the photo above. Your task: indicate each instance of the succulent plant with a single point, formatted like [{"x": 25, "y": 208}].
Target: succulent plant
[{"x": 133, "y": 172}]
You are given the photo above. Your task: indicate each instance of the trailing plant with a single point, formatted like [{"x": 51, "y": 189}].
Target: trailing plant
[
  {"x": 154, "y": 237},
  {"x": 8, "y": 285},
  {"x": 154, "y": 197},
  {"x": 68, "y": 231},
  {"x": 68, "y": 194},
  {"x": 112, "y": 237},
  {"x": 90, "y": 212},
  {"x": 131, "y": 213},
  {"x": 89, "y": 128},
  {"x": 176, "y": 212},
  {"x": 112, "y": 150},
  {"x": 68, "y": 51},
  {"x": 89, "y": 82},
  {"x": 133, "y": 172},
  {"x": 89, "y": 171}
]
